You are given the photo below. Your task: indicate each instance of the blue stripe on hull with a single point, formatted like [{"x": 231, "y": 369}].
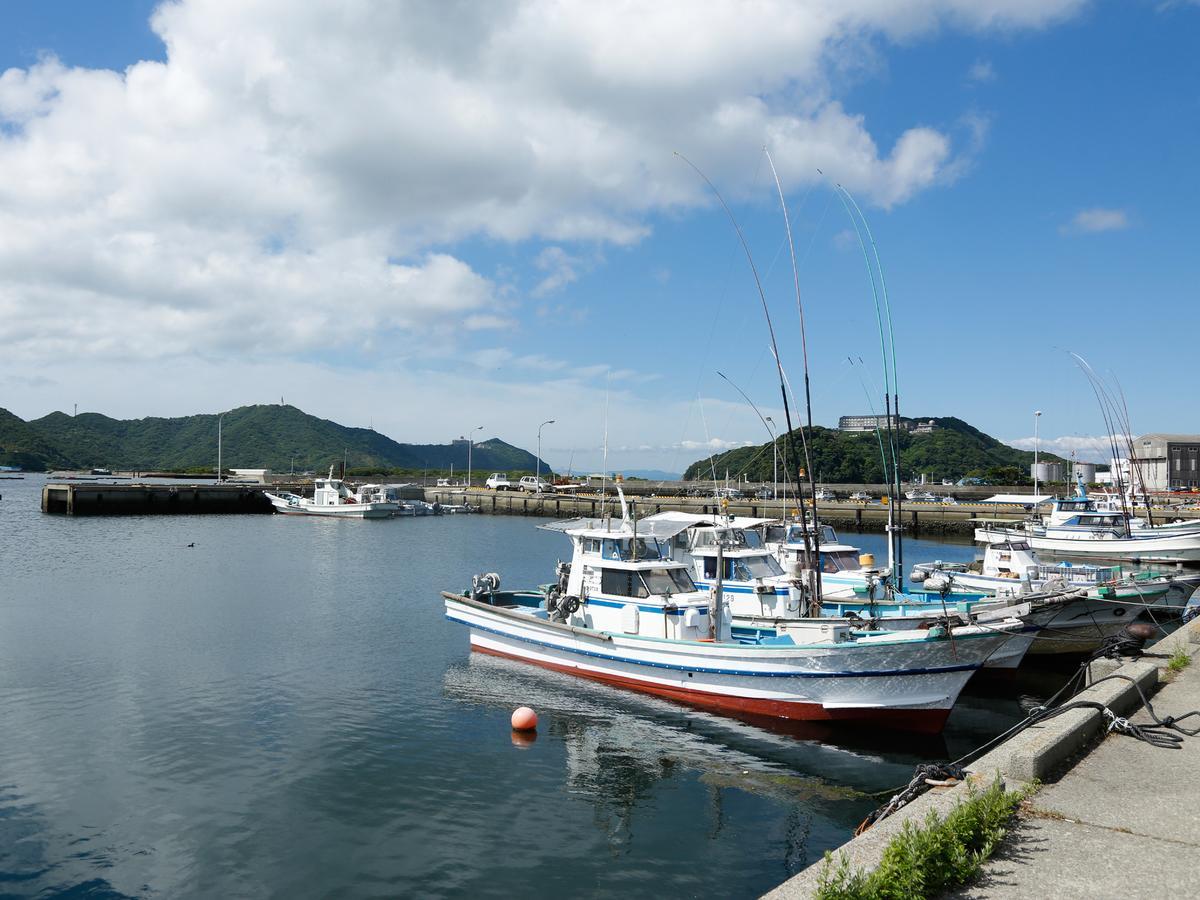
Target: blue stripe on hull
[{"x": 885, "y": 673}]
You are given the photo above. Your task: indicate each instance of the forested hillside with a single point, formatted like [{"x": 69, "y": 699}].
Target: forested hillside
[{"x": 275, "y": 437}]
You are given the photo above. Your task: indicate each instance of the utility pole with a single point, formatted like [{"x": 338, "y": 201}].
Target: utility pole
[
  {"x": 1036, "y": 416},
  {"x": 539, "y": 453}
]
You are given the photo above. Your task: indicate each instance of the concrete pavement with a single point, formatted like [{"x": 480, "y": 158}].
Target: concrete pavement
[{"x": 1123, "y": 822}]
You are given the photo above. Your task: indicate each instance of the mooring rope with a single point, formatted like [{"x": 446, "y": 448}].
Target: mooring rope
[{"x": 1166, "y": 733}]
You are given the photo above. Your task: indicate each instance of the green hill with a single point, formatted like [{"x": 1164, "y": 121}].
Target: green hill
[
  {"x": 953, "y": 450},
  {"x": 22, "y": 445},
  {"x": 275, "y": 437}
]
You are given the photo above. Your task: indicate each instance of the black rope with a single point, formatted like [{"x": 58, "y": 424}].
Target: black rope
[{"x": 1166, "y": 733}]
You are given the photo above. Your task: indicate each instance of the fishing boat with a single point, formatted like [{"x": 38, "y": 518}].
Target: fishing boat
[
  {"x": 331, "y": 497},
  {"x": 1076, "y": 528},
  {"x": 921, "y": 496},
  {"x": 625, "y": 613},
  {"x": 764, "y": 599},
  {"x": 1011, "y": 568}
]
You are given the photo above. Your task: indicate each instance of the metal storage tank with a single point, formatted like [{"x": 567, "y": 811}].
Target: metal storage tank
[
  {"x": 1086, "y": 471},
  {"x": 1047, "y": 471}
]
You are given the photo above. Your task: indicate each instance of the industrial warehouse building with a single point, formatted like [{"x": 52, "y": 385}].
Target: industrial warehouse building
[{"x": 1167, "y": 462}]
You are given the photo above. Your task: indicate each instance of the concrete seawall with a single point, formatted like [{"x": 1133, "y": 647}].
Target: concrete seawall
[{"x": 918, "y": 518}]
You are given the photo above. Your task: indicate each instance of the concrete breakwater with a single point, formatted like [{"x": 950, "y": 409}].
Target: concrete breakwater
[{"x": 917, "y": 518}]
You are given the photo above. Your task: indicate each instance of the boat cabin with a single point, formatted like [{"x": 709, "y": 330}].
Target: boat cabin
[
  {"x": 331, "y": 491},
  {"x": 626, "y": 581},
  {"x": 787, "y": 539}
]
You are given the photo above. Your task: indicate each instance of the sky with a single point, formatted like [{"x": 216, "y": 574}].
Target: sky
[{"x": 441, "y": 219}]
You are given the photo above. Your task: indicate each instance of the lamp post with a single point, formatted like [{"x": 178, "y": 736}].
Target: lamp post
[
  {"x": 1036, "y": 416},
  {"x": 470, "y": 447},
  {"x": 220, "y": 420},
  {"x": 538, "y": 467},
  {"x": 774, "y": 459}
]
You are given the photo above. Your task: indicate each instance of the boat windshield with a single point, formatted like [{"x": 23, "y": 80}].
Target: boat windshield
[
  {"x": 625, "y": 548},
  {"x": 744, "y": 568},
  {"x": 839, "y": 561},
  {"x": 796, "y": 534},
  {"x": 667, "y": 581},
  {"x": 646, "y": 583}
]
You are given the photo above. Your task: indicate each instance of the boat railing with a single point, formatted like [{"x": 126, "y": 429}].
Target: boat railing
[{"x": 1099, "y": 575}]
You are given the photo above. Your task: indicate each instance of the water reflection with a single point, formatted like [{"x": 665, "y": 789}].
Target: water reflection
[{"x": 621, "y": 750}]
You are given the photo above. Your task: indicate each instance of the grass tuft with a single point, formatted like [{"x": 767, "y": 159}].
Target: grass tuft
[
  {"x": 924, "y": 860},
  {"x": 1178, "y": 661}
]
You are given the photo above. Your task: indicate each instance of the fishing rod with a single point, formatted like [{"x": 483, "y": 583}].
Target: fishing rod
[
  {"x": 789, "y": 451},
  {"x": 887, "y": 308},
  {"x": 812, "y": 482},
  {"x": 1104, "y": 400},
  {"x": 895, "y": 542},
  {"x": 761, "y": 418}
]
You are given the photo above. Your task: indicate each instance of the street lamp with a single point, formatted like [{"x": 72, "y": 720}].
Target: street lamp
[
  {"x": 1036, "y": 416},
  {"x": 470, "y": 447},
  {"x": 538, "y": 479},
  {"x": 220, "y": 419},
  {"x": 774, "y": 459}
]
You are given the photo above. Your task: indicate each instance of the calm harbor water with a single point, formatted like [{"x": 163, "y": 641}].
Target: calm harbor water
[{"x": 282, "y": 710}]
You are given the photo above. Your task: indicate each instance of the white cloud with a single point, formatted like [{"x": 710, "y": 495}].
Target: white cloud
[
  {"x": 291, "y": 178},
  {"x": 560, "y": 267},
  {"x": 1088, "y": 448},
  {"x": 1096, "y": 219},
  {"x": 716, "y": 445},
  {"x": 981, "y": 71}
]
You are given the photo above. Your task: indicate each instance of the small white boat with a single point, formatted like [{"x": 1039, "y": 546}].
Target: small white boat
[
  {"x": 1076, "y": 528},
  {"x": 332, "y": 498},
  {"x": 623, "y": 612},
  {"x": 921, "y": 496}
]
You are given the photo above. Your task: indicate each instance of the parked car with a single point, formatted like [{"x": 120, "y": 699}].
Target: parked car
[
  {"x": 861, "y": 496},
  {"x": 498, "y": 481},
  {"x": 535, "y": 485},
  {"x": 824, "y": 494}
]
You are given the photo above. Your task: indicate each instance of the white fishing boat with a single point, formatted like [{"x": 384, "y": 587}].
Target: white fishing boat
[
  {"x": 1076, "y": 528},
  {"x": 921, "y": 496},
  {"x": 623, "y": 612},
  {"x": 763, "y": 599},
  {"x": 331, "y": 497}
]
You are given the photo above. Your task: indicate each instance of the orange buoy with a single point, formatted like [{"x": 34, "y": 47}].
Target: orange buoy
[{"x": 524, "y": 719}]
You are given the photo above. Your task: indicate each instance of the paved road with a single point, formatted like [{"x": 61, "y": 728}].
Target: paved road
[{"x": 1124, "y": 823}]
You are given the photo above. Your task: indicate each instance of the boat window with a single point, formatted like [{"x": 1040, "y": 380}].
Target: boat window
[
  {"x": 1019, "y": 545},
  {"x": 745, "y": 568},
  {"x": 839, "y": 561},
  {"x": 828, "y": 535},
  {"x": 776, "y": 533},
  {"x": 666, "y": 582},
  {"x": 621, "y": 583},
  {"x": 760, "y": 567},
  {"x": 753, "y": 540},
  {"x": 646, "y": 549},
  {"x": 611, "y": 549}
]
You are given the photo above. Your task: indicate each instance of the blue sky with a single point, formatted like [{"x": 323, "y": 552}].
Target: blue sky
[{"x": 427, "y": 222}]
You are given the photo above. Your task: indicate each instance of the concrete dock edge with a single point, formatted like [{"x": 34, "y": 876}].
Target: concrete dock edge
[{"x": 1037, "y": 753}]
